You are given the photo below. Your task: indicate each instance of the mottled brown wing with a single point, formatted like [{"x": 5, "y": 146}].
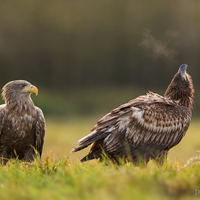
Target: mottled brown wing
[
  {"x": 40, "y": 130},
  {"x": 151, "y": 120},
  {"x": 147, "y": 129}
]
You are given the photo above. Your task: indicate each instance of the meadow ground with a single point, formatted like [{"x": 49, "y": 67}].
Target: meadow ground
[{"x": 60, "y": 175}]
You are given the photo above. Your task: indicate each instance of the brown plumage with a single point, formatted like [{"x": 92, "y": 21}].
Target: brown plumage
[
  {"x": 146, "y": 127},
  {"x": 22, "y": 125}
]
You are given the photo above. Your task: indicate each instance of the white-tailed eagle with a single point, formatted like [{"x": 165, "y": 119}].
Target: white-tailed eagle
[
  {"x": 22, "y": 125},
  {"x": 146, "y": 127}
]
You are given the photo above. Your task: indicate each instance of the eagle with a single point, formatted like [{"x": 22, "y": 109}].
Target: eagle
[
  {"x": 22, "y": 124},
  {"x": 146, "y": 127}
]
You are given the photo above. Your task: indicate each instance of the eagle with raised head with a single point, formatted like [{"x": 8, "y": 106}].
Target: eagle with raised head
[
  {"x": 146, "y": 127},
  {"x": 22, "y": 125}
]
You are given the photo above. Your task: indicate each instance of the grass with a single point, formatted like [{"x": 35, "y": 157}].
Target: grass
[
  {"x": 72, "y": 180},
  {"x": 60, "y": 175}
]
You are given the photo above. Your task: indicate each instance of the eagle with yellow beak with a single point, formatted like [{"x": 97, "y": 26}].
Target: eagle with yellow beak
[{"x": 22, "y": 124}]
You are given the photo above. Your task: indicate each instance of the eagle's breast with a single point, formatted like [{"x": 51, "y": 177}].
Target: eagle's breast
[{"x": 20, "y": 125}]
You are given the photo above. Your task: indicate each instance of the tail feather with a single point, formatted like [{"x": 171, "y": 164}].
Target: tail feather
[
  {"x": 93, "y": 155},
  {"x": 89, "y": 139}
]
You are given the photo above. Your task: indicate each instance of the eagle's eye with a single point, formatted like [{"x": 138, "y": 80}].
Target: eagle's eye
[{"x": 22, "y": 85}]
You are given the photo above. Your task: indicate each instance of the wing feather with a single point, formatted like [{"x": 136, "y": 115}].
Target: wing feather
[
  {"x": 40, "y": 130},
  {"x": 149, "y": 121},
  {"x": 2, "y": 116}
]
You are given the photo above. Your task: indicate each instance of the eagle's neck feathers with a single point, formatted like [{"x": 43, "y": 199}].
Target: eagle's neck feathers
[
  {"x": 19, "y": 104},
  {"x": 21, "y": 113},
  {"x": 183, "y": 97}
]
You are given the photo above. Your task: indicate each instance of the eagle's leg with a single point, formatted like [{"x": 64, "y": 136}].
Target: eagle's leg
[
  {"x": 30, "y": 155},
  {"x": 3, "y": 157},
  {"x": 162, "y": 156}
]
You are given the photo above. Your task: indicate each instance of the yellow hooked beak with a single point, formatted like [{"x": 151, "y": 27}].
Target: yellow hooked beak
[{"x": 31, "y": 89}]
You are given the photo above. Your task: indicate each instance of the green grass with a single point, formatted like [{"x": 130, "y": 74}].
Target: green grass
[
  {"x": 71, "y": 180},
  {"x": 60, "y": 175}
]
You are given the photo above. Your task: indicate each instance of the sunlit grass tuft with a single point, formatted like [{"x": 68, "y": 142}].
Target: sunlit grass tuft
[{"x": 63, "y": 179}]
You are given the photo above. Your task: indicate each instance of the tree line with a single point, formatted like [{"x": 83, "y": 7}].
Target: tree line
[{"x": 62, "y": 44}]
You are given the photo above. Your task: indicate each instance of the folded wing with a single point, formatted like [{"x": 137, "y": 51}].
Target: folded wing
[{"x": 145, "y": 126}]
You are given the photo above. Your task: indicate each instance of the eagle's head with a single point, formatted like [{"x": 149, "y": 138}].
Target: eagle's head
[
  {"x": 18, "y": 92},
  {"x": 181, "y": 88}
]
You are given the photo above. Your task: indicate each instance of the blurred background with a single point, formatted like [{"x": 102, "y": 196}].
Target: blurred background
[{"x": 87, "y": 57}]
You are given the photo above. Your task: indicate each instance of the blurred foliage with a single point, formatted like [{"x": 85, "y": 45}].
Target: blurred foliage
[
  {"x": 92, "y": 101},
  {"x": 87, "y": 101},
  {"x": 62, "y": 45}
]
